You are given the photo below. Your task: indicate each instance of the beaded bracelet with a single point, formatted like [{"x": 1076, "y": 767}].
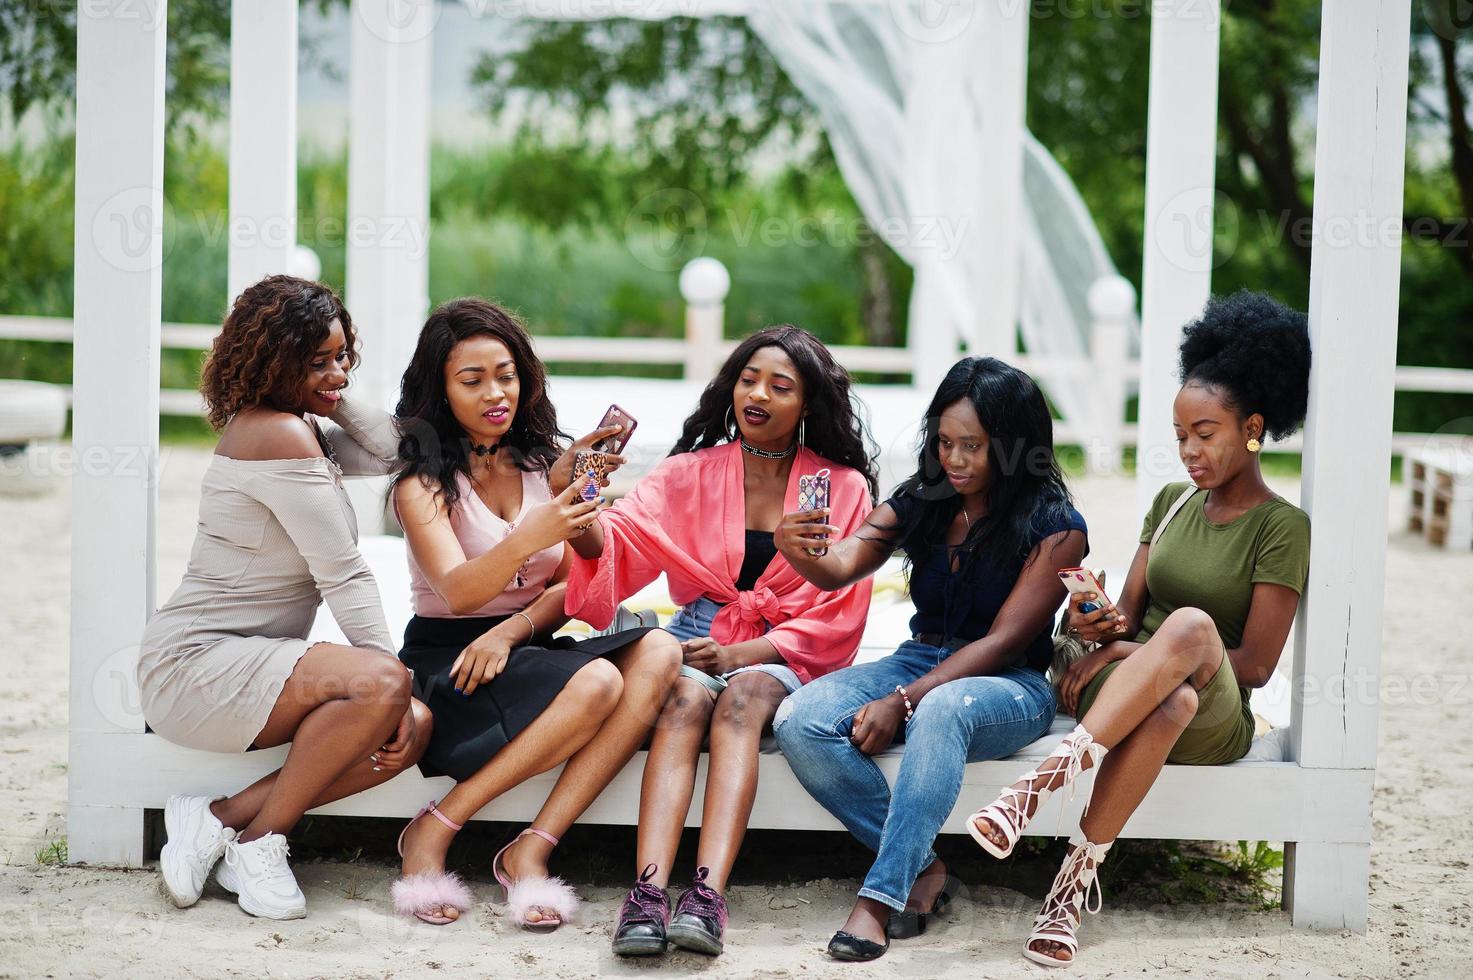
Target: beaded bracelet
[{"x": 909, "y": 710}]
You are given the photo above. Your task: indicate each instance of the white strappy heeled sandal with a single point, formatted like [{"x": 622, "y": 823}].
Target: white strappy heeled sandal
[
  {"x": 1075, "y": 891},
  {"x": 1010, "y": 812}
]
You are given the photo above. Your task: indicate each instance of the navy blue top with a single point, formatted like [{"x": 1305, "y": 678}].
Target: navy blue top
[{"x": 963, "y": 604}]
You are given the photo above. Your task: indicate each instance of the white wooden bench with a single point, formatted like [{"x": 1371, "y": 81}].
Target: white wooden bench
[{"x": 1261, "y": 800}]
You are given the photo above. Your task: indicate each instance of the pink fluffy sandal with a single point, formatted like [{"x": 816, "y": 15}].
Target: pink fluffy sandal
[
  {"x": 553, "y": 897},
  {"x": 415, "y": 895}
]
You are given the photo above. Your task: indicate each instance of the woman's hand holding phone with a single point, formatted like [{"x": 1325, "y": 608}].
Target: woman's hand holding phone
[
  {"x": 554, "y": 521},
  {"x": 804, "y": 530},
  {"x": 561, "y": 473},
  {"x": 1102, "y": 625}
]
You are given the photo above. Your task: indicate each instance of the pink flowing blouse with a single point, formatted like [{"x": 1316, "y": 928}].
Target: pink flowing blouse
[{"x": 688, "y": 519}]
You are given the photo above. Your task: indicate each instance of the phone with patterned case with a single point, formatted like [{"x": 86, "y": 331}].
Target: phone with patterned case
[{"x": 813, "y": 494}]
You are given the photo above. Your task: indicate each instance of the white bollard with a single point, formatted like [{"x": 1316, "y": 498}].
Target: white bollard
[
  {"x": 1111, "y": 307},
  {"x": 704, "y": 283}
]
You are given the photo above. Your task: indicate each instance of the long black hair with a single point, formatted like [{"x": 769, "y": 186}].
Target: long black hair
[
  {"x": 834, "y": 427},
  {"x": 433, "y": 447},
  {"x": 1025, "y": 488}
]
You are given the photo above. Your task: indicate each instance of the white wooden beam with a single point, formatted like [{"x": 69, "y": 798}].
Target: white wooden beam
[
  {"x": 119, "y": 254},
  {"x": 1181, "y": 159},
  {"x": 388, "y": 201},
  {"x": 1002, "y": 81},
  {"x": 1355, "y": 278},
  {"x": 263, "y": 140}
]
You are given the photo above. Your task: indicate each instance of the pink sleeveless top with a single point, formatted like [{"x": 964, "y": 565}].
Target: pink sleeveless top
[{"x": 479, "y": 530}]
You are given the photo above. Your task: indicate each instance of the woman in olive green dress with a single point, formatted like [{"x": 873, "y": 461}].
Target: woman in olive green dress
[{"x": 1204, "y": 615}]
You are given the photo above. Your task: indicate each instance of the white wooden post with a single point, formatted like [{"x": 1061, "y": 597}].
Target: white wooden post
[
  {"x": 1181, "y": 155},
  {"x": 704, "y": 283},
  {"x": 1002, "y": 76},
  {"x": 263, "y": 140},
  {"x": 1111, "y": 307},
  {"x": 388, "y": 202},
  {"x": 1360, "y": 156},
  {"x": 119, "y": 253}
]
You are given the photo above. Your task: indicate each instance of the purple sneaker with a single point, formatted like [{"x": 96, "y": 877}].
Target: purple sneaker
[
  {"x": 700, "y": 917},
  {"x": 642, "y": 919}
]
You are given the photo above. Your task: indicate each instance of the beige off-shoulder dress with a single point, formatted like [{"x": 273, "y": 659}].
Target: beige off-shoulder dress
[{"x": 276, "y": 537}]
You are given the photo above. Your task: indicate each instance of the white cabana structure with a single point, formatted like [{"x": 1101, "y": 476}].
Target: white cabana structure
[{"x": 955, "y": 87}]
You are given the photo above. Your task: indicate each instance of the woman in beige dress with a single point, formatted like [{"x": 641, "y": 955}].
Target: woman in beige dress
[{"x": 225, "y": 665}]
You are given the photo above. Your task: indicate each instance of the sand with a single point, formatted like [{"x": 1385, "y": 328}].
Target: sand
[{"x": 79, "y": 921}]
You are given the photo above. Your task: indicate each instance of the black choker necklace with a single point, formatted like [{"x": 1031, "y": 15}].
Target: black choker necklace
[
  {"x": 483, "y": 451},
  {"x": 765, "y": 454}
]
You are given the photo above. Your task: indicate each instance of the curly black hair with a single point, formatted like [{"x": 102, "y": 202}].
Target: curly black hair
[
  {"x": 1025, "y": 490},
  {"x": 433, "y": 447},
  {"x": 261, "y": 354},
  {"x": 834, "y": 428},
  {"x": 1254, "y": 350}
]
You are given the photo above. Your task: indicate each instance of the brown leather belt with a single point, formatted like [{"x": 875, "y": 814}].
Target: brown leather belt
[{"x": 933, "y": 639}]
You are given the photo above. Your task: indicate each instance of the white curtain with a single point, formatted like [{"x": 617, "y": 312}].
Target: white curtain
[{"x": 904, "y": 124}]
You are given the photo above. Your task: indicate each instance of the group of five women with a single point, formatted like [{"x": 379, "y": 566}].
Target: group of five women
[{"x": 505, "y": 546}]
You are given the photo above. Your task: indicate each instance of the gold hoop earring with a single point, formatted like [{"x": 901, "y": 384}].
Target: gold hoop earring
[{"x": 1254, "y": 445}]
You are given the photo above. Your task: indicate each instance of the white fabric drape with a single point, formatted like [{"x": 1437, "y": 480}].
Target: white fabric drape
[{"x": 904, "y": 124}]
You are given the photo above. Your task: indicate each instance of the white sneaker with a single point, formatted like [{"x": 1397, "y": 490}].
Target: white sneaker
[
  {"x": 196, "y": 841},
  {"x": 258, "y": 874}
]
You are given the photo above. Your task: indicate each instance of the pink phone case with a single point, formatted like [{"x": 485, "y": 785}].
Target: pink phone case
[
  {"x": 617, "y": 416},
  {"x": 1083, "y": 580}
]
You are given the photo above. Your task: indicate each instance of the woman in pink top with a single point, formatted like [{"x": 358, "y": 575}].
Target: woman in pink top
[
  {"x": 488, "y": 561},
  {"x": 753, "y": 629}
]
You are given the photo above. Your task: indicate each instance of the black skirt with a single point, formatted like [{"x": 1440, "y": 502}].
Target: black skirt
[{"x": 470, "y": 730}]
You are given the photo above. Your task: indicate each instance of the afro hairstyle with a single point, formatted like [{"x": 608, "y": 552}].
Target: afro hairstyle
[{"x": 1255, "y": 351}]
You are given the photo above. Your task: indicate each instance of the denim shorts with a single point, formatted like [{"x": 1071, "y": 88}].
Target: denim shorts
[{"x": 694, "y": 620}]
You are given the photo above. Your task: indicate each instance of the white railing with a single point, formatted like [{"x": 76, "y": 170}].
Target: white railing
[{"x": 704, "y": 284}]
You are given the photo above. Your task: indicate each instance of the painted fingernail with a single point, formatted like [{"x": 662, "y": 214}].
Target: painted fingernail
[
  {"x": 378, "y": 768},
  {"x": 457, "y": 690}
]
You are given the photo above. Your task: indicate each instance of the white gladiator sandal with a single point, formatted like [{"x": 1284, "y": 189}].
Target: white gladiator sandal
[
  {"x": 1075, "y": 891},
  {"x": 1010, "y": 812}
]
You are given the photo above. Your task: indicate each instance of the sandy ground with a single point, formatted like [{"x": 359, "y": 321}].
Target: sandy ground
[{"x": 77, "y": 921}]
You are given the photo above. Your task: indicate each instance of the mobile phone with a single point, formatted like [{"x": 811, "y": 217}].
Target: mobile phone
[
  {"x": 813, "y": 494},
  {"x": 587, "y": 461},
  {"x": 1085, "y": 580},
  {"x": 616, "y": 443}
]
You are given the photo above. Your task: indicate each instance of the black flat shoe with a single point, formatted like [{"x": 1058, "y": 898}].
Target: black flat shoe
[
  {"x": 851, "y": 948},
  {"x": 643, "y": 920},
  {"x": 700, "y": 918},
  {"x": 909, "y": 924}
]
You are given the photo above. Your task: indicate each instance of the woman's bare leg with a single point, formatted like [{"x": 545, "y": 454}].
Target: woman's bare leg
[
  {"x": 241, "y": 809},
  {"x": 567, "y": 724},
  {"x": 670, "y": 776},
  {"x": 743, "y": 711},
  {"x": 1186, "y": 649},
  {"x": 1127, "y": 774},
  {"x": 338, "y": 706},
  {"x": 648, "y": 667}
]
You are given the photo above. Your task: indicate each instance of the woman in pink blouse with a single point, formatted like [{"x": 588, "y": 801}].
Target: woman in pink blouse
[{"x": 752, "y": 629}]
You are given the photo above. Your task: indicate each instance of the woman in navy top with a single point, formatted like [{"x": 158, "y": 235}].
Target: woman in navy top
[{"x": 985, "y": 523}]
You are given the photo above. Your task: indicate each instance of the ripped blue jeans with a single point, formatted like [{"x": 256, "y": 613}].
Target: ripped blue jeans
[{"x": 966, "y": 720}]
